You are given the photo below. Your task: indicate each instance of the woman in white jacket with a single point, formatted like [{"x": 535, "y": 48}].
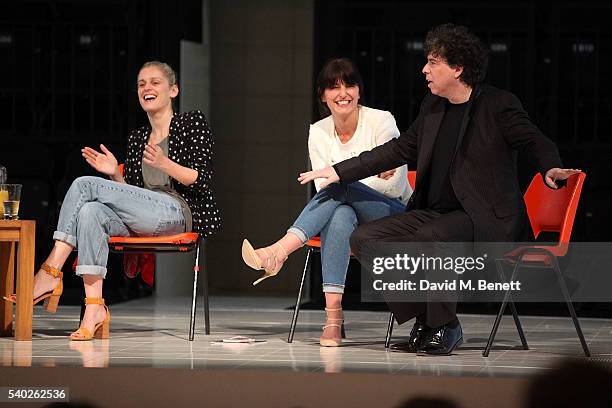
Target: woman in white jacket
[{"x": 348, "y": 129}]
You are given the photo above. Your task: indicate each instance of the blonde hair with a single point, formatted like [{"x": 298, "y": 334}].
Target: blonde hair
[{"x": 165, "y": 68}]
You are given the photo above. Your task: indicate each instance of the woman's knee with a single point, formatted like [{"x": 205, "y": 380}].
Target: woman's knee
[
  {"x": 344, "y": 215},
  {"x": 341, "y": 224},
  {"x": 91, "y": 211},
  {"x": 80, "y": 184},
  {"x": 85, "y": 180}
]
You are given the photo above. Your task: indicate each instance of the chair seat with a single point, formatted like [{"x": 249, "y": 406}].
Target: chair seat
[
  {"x": 181, "y": 242},
  {"x": 538, "y": 256},
  {"x": 178, "y": 239},
  {"x": 314, "y": 242}
]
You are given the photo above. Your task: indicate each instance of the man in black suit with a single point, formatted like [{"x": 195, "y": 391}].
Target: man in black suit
[{"x": 463, "y": 146}]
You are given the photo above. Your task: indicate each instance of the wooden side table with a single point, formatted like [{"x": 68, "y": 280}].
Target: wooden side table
[{"x": 23, "y": 233}]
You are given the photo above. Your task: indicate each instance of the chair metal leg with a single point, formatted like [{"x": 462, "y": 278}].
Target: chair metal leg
[
  {"x": 206, "y": 302},
  {"x": 342, "y": 331},
  {"x": 570, "y": 306},
  {"x": 194, "y": 294},
  {"x": 389, "y": 330},
  {"x": 500, "y": 314},
  {"x": 517, "y": 322},
  {"x": 502, "y": 309},
  {"x": 296, "y": 311}
]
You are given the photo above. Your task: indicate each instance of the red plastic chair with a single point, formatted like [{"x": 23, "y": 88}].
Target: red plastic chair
[
  {"x": 549, "y": 211},
  {"x": 180, "y": 243},
  {"x": 312, "y": 245}
]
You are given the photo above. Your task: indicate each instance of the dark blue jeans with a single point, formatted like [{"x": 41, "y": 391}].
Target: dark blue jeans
[{"x": 334, "y": 212}]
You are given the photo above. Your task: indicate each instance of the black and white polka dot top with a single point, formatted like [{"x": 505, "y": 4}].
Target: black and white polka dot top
[{"x": 190, "y": 144}]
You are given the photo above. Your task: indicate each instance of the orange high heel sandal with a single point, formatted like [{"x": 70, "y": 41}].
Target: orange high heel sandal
[
  {"x": 273, "y": 265},
  {"x": 332, "y": 322},
  {"x": 51, "y": 297},
  {"x": 101, "y": 329}
]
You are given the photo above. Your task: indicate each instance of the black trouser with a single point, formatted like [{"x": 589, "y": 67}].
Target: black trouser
[{"x": 417, "y": 226}]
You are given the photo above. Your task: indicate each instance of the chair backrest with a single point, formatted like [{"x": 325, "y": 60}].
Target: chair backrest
[
  {"x": 412, "y": 178},
  {"x": 553, "y": 210},
  {"x": 121, "y": 168}
]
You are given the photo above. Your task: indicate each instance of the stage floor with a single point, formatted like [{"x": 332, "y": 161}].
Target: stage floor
[{"x": 152, "y": 332}]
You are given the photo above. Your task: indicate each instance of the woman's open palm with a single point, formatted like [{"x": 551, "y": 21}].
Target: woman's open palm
[{"x": 104, "y": 162}]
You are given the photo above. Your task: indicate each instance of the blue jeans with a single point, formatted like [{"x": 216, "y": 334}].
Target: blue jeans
[
  {"x": 95, "y": 209},
  {"x": 334, "y": 212}
]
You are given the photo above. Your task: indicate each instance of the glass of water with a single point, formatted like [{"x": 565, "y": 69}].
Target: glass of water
[{"x": 10, "y": 195}]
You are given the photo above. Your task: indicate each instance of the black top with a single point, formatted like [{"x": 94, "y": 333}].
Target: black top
[
  {"x": 440, "y": 194},
  {"x": 190, "y": 144}
]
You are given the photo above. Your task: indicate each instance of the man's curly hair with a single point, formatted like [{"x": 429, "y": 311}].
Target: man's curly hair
[{"x": 459, "y": 48}]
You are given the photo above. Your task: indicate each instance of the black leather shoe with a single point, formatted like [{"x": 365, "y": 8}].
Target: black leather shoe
[
  {"x": 419, "y": 333},
  {"x": 442, "y": 341}
]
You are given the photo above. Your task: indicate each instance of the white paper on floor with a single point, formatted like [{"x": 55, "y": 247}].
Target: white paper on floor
[{"x": 238, "y": 339}]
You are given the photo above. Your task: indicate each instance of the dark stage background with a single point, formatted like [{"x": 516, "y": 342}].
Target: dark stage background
[{"x": 69, "y": 68}]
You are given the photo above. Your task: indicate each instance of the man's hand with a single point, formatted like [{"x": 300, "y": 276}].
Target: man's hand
[
  {"x": 328, "y": 174},
  {"x": 386, "y": 175},
  {"x": 556, "y": 173},
  {"x": 154, "y": 156},
  {"x": 104, "y": 162}
]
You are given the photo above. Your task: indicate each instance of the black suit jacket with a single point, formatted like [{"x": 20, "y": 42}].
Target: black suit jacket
[{"x": 483, "y": 170}]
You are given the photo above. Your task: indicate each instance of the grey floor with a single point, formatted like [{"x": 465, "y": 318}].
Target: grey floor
[{"x": 153, "y": 333}]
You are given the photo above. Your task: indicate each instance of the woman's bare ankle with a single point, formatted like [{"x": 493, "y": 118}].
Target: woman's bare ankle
[
  {"x": 43, "y": 282},
  {"x": 93, "y": 314}
]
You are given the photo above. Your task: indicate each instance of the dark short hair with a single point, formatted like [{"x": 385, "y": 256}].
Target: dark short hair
[
  {"x": 459, "y": 48},
  {"x": 337, "y": 70}
]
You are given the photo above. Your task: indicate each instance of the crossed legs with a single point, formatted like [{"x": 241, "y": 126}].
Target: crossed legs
[
  {"x": 334, "y": 212},
  {"x": 93, "y": 210}
]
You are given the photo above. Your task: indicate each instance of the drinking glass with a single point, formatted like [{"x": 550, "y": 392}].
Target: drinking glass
[{"x": 10, "y": 195}]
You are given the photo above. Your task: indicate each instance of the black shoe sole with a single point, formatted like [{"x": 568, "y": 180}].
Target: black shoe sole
[{"x": 402, "y": 351}]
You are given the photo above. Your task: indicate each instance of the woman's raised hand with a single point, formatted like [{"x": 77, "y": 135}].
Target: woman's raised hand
[
  {"x": 328, "y": 174},
  {"x": 104, "y": 162},
  {"x": 154, "y": 156}
]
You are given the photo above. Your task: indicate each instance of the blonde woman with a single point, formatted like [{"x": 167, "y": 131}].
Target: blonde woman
[{"x": 164, "y": 189}]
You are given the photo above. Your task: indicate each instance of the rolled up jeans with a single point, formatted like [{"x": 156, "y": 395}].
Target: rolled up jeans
[
  {"x": 334, "y": 212},
  {"x": 95, "y": 209}
]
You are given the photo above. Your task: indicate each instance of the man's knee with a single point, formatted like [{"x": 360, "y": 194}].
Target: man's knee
[{"x": 425, "y": 233}]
